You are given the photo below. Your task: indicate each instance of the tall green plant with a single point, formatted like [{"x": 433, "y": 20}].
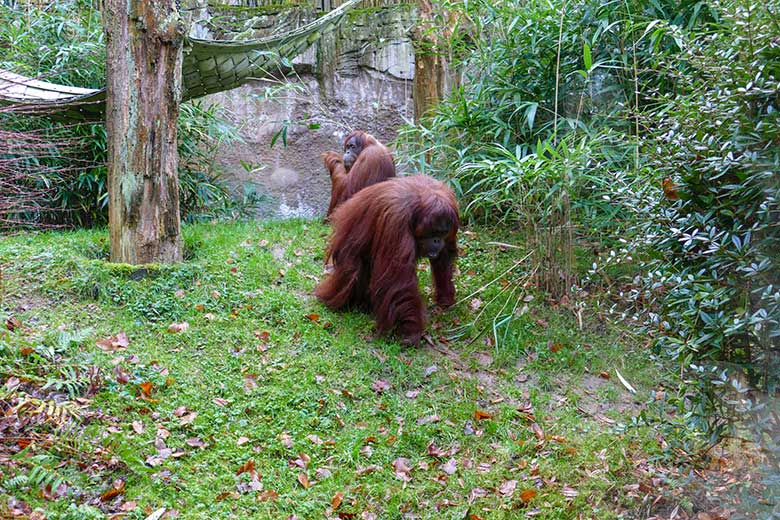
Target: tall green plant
[
  {"x": 717, "y": 272},
  {"x": 540, "y": 123},
  {"x": 63, "y": 42}
]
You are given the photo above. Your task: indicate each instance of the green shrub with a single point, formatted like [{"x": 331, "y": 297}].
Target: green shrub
[
  {"x": 715, "y": 238},
  {"x": 62, "y": 40},
  {"x": 64, "y": 43},
  {"x": 572, "y": 120},
  {"x": 532, "y": 73},
  {"x": 538, "y": 131}
]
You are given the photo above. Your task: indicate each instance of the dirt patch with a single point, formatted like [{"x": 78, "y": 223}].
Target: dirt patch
[
  {"x": 594, "y": 404},
  {"x": 490, "y": 380}
]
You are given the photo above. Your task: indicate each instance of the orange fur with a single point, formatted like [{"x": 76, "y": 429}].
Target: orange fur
[{"x": 373, "y": 249}]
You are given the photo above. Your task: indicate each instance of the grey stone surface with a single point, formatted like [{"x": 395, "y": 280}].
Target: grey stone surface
[{"x": 358, "y": 77}]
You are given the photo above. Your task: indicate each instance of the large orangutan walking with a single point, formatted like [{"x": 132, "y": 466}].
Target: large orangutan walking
[{"x": 378, "y": 236}]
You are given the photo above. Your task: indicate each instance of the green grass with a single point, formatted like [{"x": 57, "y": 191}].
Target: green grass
[{"x": 307, "y": 389}]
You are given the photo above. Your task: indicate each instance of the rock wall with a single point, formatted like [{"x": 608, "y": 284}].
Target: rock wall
[{"x": 357, "y": 77}]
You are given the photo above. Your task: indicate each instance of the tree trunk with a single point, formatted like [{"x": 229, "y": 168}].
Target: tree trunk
[
  {"x": 143, "y": 69},
  {"x": 431, "y": 66}
]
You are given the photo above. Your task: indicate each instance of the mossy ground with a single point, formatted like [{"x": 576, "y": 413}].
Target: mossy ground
[{"x": 461, "y": 427}]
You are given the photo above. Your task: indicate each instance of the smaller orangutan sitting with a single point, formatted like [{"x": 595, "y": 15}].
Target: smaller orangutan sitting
[
  {"x": 378, "y": 236},
  {"x": 366, "y": 161}
]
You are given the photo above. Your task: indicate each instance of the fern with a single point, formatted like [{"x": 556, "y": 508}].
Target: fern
[
  {"x": 75, "y": 380},
  {"x": 15, "y": 483},
  {"x": 65, "y": 340},
  {"x": 47, "y": 410},
  {"x": 44, "y": 478},
  {"x": 39, "y": 476}
]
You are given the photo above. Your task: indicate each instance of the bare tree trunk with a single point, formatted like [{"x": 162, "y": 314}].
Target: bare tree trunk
[
  {"x": 143, "y": 68},
  {"x": 431, "y": 65}
]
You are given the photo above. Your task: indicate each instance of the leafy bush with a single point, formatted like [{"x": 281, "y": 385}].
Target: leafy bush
[
  {"x": 716, "y": 239},
  {"x": 654, "y": 122},
  {"x": 64, "y": 42},
  {"x": 538, "y": 130},
  {"x": 532, "y": 73}
]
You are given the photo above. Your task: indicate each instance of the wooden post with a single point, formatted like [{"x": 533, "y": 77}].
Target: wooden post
[{"x": 144, "y": 86}]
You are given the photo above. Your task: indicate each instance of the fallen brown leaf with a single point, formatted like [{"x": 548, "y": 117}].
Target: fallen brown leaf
[
  {"x": 367, "y": 469},
  {"x": 476, "y": 493},
  {"x": 507, "y": 488},
  {"x": 403, "y": 469},
  {"x": 268, "y": 494},
  {"x": 13, "y": 323},
  {"x": 301, "y": 461},
  {"x": 450, "y": 467},
  {"x": 113, "y": 343},
  {"x": 187, "y": 419},
  {"x": 174, "y": 328},
  {"x": 116, "y": 489},
  {"x": 322, "y": 473},
  {"x": 335, "y": 502},
  {"x": 480, "y": 415},
  {"x": 527, "y": 495},
  {"x": 196, "y": 442},
  {"x": 380, "y": 385},
  {"x": 146, "y": 389},
  {"x": 669, "y": 189},
  {"x": 247, "y": 467}
]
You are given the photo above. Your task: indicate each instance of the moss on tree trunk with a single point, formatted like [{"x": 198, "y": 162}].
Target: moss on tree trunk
[{"x": 144, "y": 54}]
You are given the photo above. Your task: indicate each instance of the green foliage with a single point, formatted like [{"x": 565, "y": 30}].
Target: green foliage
[
  {"x": 64, "y": 43},
  {"x": 715, "y": 274},
  {"x": 532, "y": 74},
  {"x": 204, "y": 195},
  {"x": 509, "y": 57},
  {"x": 272, "y": 374},
  {"x": 539, "y": 131},
  {"x": 570, "y": 116},
  {"x": 81, "y": 512},
  {"x": 511, "y": 187},
  {"x": 40, "y": 476},
  {"x": 63, "y": 40}
]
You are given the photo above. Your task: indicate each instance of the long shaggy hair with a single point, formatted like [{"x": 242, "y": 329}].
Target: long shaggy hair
[
  {"x": 373, "y": 164},
  {"x": 374, "y": 250}
]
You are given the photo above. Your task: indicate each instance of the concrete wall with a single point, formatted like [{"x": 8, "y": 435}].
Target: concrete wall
[{"x": 356, "y": 77}]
